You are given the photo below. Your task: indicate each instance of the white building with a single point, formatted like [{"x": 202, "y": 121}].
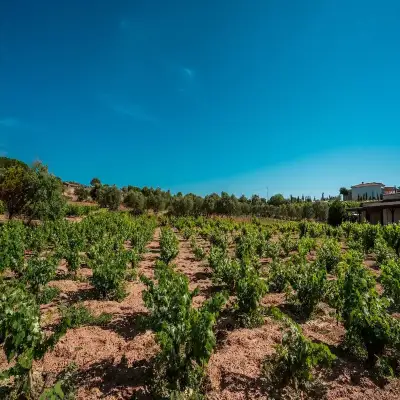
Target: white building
[{"x": 367, "y": 191}]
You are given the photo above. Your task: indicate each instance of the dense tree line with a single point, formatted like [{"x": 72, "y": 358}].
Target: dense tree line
[
  {"x": 143, "y": 199},
  {"x": 35, "y": 193}
]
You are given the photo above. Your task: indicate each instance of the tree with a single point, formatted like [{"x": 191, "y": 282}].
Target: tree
[
  {"x": 6, "y": 163},
  {"x": 96, "y": 185},
  {"x": 46, "y": 199},
  {"x": 14, "y": 189},
  {"x": 337, "y": 213},
  {"x": 277, "y": 200},
  {"x": 136, "y": 201},
  {"x": 320, "y": 210},
  {"x": 109, "y": 197},
  {"x": 82, "y": 193},
  {"x": 344, "y": 191},
  {"x": 95, "y": 182},
  {"x": 33, "y": 192},
  {"x": 210, "y": 203}
]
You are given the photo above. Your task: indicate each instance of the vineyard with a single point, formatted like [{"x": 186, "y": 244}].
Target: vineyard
[{"x": 118, "y": 306}]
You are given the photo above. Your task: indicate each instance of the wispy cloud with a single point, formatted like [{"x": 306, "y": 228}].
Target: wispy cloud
[
  {"x": 134, "y": 111},
  {"x": 189, "y": 73},
  {"x": 11, "y": 123}
]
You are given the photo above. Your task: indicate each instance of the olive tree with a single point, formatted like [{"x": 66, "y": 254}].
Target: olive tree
[{"x": 109, "y": 197}]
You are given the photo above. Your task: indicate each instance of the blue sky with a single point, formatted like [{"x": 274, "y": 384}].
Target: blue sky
[{"x": 301, "y": 97}]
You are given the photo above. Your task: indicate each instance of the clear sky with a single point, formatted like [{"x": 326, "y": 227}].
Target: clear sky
[{"x": 301, "y": 97}]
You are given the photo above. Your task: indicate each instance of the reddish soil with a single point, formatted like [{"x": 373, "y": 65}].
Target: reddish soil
[{"x": 114, "y": 361}]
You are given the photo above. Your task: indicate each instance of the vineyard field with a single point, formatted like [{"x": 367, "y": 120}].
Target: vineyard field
[{"x": 113, "y": 306}]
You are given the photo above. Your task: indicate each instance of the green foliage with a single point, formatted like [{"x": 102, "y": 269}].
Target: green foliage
[
  {"x": 287, "y": 243},
  {"x": 390, "y": 279},
  {"x": 329, "y": 255},
  {"x": 305, "y": 245},
  {"x": 78, "y": 315},
  {"x": 136, "y": 201},
  {"x": 383, "y": 252},
  {"x": 391, "y": 233},
  {"x": 292, "y": 367},
  {"x": 169, "y": 245},
  {"x": 336, "y": 213},
  {"x": 250, "y": 289},
  {"x": 82, "y": 193},
  {"x": 48, "y": 294},
  {"x": 2, "y": 207},
  {"x": 280, "y": 276},
  {"x": 185, "y": 334},
  {"x": 310, "y": 288},
  {"x": 109, "y": 197},
  {"x": 46, "y": 198},
  {"x": 370, "y": 329},
  {"x": 277, "y": 200},
  {"x": 109, "y": 267},
  {"x": 199, "y": 253},
  {"x": 247, "y": 245},
  {"x": 369, "y": 235},
  {"x": 272, "y": 250},
  {"x": 39, "y": 272},
  {"x": 14, "y": 189},
  {"x": 64, "y": 388},
  {"x": 219, "y": 238},
  {"x": 21, "y": 336},
  {"x": 74, "y": 244},
  {"x": 12, "y": 246},
  {"x": 226, "y": 272}
]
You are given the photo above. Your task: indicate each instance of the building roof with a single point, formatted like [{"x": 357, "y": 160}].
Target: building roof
[
  {"x": 368, "y": 184},
  {"x": 376, "y": 205}
]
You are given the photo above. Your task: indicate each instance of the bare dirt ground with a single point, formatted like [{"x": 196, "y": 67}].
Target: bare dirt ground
[{"x": 114, "y": 361}]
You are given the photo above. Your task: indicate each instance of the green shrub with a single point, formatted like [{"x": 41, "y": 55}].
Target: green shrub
[
  {"x": 310, "y": 288},
  {"x": 12, "y": 246},
  {"x": 74, "y": 245},
  {"x": 291, "y": 369},
  {"x": 329, "y": 255},
  {"x": 109, "y": 268},
  {"x": 65, "y": 387},
  {"x": 246, "y": 246},
  {"x": 21, "y": 336},
  {"x": 272, "y": 250},
  {"x": 287, "y": 243},
  {"x": 336, "y": 213},
  {"x": 185, "y": 334},
  {"x": 39, "y": 272},
  {"x": 250, "y": 289},
  {"x": 198, "y": 251},
  {"x": 383, "y": 252},
  {"x": 369, "y": 234},
  {"x": 390, "y": 279},
  {"x": 225, "y": 271},
  {"x": 169, "y": 245},
  {"x": 305, "y": 245},
  {"x": 280, "y": 276},
  {"x": 391, "y": 233},
  {"x": 48, "y": 294},
  {"x": 370, "y": 330},
  {"x": 109, "y": 197},
  {"x": 219, "y": 238}
]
